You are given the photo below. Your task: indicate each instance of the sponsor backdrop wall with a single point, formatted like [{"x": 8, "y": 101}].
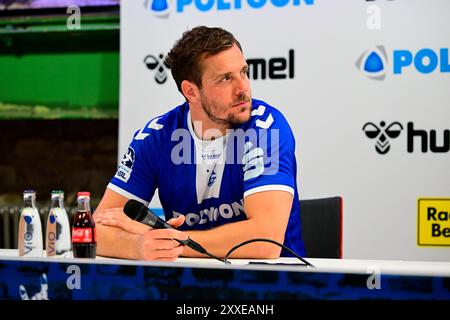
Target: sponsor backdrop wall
[{"x": 365, "y": 86}]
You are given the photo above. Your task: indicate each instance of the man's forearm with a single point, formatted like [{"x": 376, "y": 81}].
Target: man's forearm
[
  {"x": 115, "y": 242},
  {"x": 220, "y": 240}
]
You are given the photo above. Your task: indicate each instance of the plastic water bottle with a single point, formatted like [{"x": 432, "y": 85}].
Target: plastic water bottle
[
  {"x": 30, "y": 242},
  {"x": 58, "y": 241}
]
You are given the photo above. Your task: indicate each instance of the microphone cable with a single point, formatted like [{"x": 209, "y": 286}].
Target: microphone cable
[
  {"x": 306, "y": 263},
  {"x": 214, "y": 257},
  {"x": 197, "y": 247}
]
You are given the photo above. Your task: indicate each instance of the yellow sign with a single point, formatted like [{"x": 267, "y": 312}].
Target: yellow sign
[{"x": 433, "y": 222}]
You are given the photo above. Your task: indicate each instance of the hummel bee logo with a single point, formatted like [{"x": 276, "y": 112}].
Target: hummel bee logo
[
  {"x": 381, "y": 133},
  {"x": 159, "y": 65}
]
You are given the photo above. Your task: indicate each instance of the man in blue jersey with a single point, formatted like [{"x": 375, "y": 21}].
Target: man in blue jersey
[{"x": 223, "y": 163}]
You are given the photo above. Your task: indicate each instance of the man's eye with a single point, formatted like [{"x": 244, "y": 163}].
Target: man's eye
[{"x": 226, "y": 78}]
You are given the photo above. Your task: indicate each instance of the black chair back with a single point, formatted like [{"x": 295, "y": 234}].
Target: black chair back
[{"x": 322, "y": 227}]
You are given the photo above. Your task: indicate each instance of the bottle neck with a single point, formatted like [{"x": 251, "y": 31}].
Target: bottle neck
[
  {"x": 58, "y": 202},
  {"x": 29, "y": 201},
  {"x": 83, "y": 204}
]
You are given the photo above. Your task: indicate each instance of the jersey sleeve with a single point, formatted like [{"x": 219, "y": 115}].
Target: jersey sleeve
[
  {"x": 269, "y": 161},
  {"x": 136, "y": 176}
]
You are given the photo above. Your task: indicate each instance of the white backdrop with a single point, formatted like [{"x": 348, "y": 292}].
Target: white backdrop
[{"x": 327, "y": 101}]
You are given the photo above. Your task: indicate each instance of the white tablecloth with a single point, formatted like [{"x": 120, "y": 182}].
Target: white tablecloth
[{"x": 426, "y": 268}]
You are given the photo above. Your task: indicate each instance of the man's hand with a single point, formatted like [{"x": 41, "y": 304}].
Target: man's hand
[
  {"x": 159, "y": 244},
  {"x": 151, "y": 244},
  {"x": 115, "y": 217}
]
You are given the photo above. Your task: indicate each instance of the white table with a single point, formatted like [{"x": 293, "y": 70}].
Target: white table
[{"x": 397, "y": 267}]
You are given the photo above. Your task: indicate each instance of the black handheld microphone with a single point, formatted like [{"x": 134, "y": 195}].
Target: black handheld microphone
[{"x": 139, "y": 212}]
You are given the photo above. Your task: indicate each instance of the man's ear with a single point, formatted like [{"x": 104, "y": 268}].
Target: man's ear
[{"x": 190, "y": 91}]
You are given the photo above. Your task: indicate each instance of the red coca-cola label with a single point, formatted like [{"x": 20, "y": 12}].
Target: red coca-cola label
[{"x": 83, "y": 235}]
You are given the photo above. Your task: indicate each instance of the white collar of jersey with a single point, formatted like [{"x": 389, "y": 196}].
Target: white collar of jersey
[{"x": 217, "y": 142}]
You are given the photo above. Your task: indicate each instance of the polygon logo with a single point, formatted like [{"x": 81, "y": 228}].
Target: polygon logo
[{"x": 373, "y": 63}]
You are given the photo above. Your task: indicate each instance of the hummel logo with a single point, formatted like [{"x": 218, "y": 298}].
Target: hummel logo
[
  {"x": 381, "y": 133},
  {"x": 152, "y": 125},
  {"x": 266, "y": 123},
  {"x": 159, "y": 65}
]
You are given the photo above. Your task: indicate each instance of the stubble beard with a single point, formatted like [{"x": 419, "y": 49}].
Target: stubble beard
[{"x": 212, "y": 109}]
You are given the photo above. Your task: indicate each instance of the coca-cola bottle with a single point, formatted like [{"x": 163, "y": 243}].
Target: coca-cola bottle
[{"x": 84, "y": 243}]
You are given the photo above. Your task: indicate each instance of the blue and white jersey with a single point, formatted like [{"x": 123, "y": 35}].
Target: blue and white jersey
[{"x": 207, "y": 181}]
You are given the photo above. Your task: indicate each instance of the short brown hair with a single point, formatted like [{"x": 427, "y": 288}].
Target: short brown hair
[{"x": 200, "y": 42}]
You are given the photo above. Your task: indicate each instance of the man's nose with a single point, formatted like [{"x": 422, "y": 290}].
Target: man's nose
[{"x": 241, "y": 86}]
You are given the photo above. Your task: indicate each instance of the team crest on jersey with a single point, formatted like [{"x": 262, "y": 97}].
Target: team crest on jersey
[
  {"x": 212, "y": 178},
  {"x": 126, "y": 165}
]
